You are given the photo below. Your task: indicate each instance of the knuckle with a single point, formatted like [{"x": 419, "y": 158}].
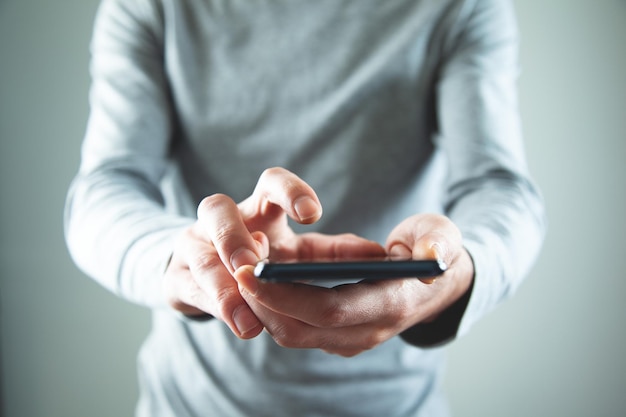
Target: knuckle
[
  {"x": 399, "y": 315},
  {"x": 269, "y": 172},
  {"x": 220, "y": 218},
  {"x": 210, "y": 203},
  {"x": 224, "y": 295},
  {"x": 334, "y": 315},
  {"x": 374, "y": 339},
  {"x": 280, "y": 334},
  {"x": 446, "y": 225},
  {"x": 205, "y": 262},
  {"x": 288, "y": 337},
  {"x": 289, "y": 182},
  {"x": 224, "y": 299},
  {"x": 223, "y": 232}
]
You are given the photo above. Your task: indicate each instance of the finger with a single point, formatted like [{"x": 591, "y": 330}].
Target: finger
[
  {"x": 210, "y": 287},
  {"x": 346, "y": 341},
  {"x": 350, "y": 341},
  {"x": 280, "y": 191},
  {"x": 342, "y": 306},
  {"x": 182, "y": 293},
  {"x": 425, "y": 237},
  {"x": 220, "y": 219}
]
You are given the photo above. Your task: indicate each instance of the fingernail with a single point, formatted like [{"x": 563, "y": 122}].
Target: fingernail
[
  {"x": 244, "y": 319},
  {"x": 439, "y": 255},
  {"x": 307, "y": 209},
  {"x": 241, "y": 257},
  {"x": 248, "y": 283}
]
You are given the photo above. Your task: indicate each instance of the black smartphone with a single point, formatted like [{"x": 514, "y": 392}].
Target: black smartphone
[{"x": 342, "y": 271}]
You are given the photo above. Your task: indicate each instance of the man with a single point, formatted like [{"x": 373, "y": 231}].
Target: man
[{"x": 213, "y": 122}]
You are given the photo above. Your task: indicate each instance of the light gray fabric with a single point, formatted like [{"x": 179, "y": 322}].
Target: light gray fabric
[{"x": 387, "y": 108}]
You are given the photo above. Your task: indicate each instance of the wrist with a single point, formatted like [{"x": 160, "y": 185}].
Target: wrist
[{"x": 456, "y": 289}]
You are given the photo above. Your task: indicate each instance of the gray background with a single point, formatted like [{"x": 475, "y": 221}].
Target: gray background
[{"x": 556, "y": 349}]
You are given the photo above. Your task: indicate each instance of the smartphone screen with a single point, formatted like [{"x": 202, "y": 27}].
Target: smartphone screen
[{"x": 347, "y": 271}]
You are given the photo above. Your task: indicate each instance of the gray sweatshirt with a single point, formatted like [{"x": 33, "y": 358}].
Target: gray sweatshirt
[{"x": 386, "y": 108}]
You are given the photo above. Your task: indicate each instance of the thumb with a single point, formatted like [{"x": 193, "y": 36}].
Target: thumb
[{"x": 425, "y": 236}]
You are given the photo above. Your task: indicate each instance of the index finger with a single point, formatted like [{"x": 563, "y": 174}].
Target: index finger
[
  {"x": 280, "y": 191},
  {"x": 220, "y": 218}
]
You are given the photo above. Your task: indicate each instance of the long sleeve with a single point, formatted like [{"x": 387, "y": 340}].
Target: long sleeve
[
  {"x": 490, "y": 195},
  {"x": 116, "y": 226},
  {"x": 191, "y": 98}
]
